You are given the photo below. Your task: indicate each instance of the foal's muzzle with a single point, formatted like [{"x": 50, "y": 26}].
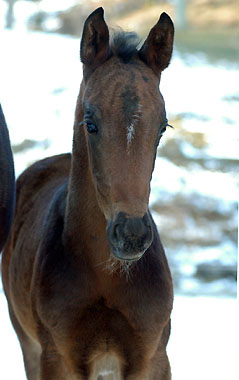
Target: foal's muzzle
[{"x": 129, "y": 237}]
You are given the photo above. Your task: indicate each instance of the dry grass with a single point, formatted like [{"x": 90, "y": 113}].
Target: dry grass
[
  {"x": 213, "y": 13},
  {"x": 212, "y": 26},
  {"x": 142, "y": 19}
]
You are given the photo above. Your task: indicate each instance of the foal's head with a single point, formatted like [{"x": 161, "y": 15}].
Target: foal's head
[{"x": 124, "y": 119}]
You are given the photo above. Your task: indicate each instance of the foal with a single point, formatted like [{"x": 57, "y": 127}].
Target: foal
[{"x": 86, "y": 278}]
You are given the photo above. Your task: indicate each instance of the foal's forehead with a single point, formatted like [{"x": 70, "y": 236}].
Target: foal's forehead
[
  {"x": 129, "y": 87},
  {"x": 130, "y": 102},
  {"x": 134, "y": 74}
]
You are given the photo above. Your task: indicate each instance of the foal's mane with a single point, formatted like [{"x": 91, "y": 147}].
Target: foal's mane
[{"x": 124, "y": 45}]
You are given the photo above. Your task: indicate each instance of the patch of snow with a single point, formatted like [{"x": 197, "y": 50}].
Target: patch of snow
[
  {"x": 57, "y": 5},
  {"x": 204, "y": 89},
  {"x": 204, "y": 342},
  {"x": 40, "y": 78},
  {"x": 170, "y": 179}
]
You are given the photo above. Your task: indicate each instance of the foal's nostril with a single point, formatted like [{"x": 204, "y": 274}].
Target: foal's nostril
[
  {"x": 116, "y": 232},
  {"x": 135, "y": 227}
]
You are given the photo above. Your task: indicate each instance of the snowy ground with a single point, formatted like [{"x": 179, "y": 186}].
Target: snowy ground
[{"x": 204, "y": 342}]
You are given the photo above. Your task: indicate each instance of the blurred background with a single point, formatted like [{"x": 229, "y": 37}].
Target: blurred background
[{"x": 194, "y": 190}]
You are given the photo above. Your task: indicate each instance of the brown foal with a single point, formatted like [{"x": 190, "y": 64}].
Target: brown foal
[{"x": 85, "y": 274}]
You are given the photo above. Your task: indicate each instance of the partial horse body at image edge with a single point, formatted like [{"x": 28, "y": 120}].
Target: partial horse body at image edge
[
  {"x": 7, "y": 182},
  {"x": 87, "y": 281}
]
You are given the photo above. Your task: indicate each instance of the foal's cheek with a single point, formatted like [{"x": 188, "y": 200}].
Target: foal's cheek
[
  {"x": 102, "y": 188},
  {"x": 103, "y": 198}
]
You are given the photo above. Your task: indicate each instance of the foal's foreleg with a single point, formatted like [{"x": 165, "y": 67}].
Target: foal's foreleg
[
  {"x": 31, "y": 356},
  {"x": 51, "y": 366},
  {"x": 161, "y": 369}
]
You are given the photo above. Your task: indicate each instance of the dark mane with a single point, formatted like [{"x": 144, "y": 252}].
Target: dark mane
[{"x": 124, "y": 45}]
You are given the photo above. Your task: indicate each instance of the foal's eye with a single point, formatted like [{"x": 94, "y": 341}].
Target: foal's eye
[
  {"x": 164, "y": 127},
  {"x": 90, "y": 126},
  {"x": 163, "y": 130}
]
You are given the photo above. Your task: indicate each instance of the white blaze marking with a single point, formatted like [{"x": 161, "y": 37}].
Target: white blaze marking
[
  {"x": 130, "y": 133},
  {"x": 131, "y": 128}
]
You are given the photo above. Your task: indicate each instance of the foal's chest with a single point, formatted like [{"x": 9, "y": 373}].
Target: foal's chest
[{"x": 89, "y": 316}]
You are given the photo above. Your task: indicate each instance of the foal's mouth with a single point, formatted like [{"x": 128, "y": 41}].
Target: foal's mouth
[{"x": 123, "y": 256}]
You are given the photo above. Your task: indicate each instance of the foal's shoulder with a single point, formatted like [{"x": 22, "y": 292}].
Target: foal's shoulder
[
  {"x": 45, "y": 170},
  {"x": 43, "y": 173}
]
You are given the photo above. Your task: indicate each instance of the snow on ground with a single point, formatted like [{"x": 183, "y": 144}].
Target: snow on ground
[
  {"x": 204, "y": 341},
  {"x": 11, "y": 363},
  {"x": 171, "y": 179}
]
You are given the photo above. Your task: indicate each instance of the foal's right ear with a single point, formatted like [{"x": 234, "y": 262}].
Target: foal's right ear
[{"x": 95, "y": 48}]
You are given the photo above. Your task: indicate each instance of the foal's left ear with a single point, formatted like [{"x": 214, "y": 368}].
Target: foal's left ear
[
  {"x": 95, "y": 48},
  {"x": 157, "y": 50}
]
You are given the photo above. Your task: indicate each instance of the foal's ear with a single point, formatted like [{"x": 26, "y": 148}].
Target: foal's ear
[
  {"x": 157, "y": 50},
  {"x": 95, "y": 48}
]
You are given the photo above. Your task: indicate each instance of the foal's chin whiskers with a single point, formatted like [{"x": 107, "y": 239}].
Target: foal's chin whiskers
[
  {"x": 123, "y": 268},
  {"x": 126, "y": 269}
]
